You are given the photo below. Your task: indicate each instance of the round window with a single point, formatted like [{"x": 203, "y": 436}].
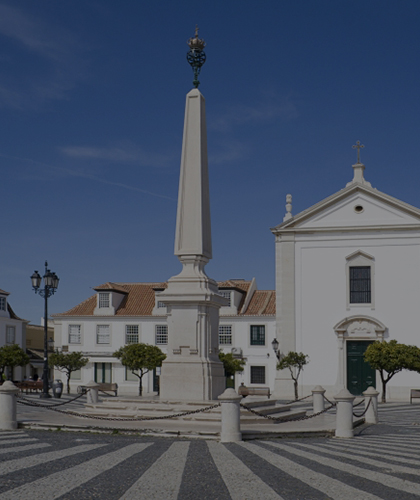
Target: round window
[{"x": 358, "y": 209}]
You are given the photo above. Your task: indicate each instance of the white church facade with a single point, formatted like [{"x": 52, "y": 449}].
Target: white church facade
[{"x": 347, "y": 274}]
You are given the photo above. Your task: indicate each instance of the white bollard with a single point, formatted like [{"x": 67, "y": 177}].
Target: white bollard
[
  {"x": 371, "y": 415},
  {"x": 8, "y": 420},
  {"x": 92, "y": 395},
  {"x": 231, "y": 426},
  {"x": 318, "y": 400},
  {"x": 344, "y": 418}
]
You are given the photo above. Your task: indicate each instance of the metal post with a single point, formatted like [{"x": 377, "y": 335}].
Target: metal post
[
  {"x": 231, "y": 427},
  {"x": 344, "y": 418},
  {"x": 45, "y": 393}
]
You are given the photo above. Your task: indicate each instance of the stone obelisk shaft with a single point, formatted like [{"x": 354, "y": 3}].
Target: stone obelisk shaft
[{"x": 192, "y": 370}]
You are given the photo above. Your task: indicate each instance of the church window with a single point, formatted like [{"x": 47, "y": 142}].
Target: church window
[
  {"x": 227, "y": 296},
  {"x": 2, "y": 303},
  {"x": 103, "y": 300},
  {"x": 257, "y": 374},
  {"x": 75, "y": 336},
  {"x": 225, "y": 334},
  {"x": 257, "y": 336},
  {"x": 131, "y": 334},
  {"x": 161, "y": 336},
  {"x": 103, "y": 334},
  {"x": 10, "y": 334},
  {"x": 360, "y": 285}
]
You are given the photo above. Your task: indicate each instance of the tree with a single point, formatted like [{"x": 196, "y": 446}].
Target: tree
[
  {"x": 11, "y": 356},
  {"x": 231, "y": 364},
  {"x": 294, "y": 361},
  {"x": 67, "y": 363},
  {"x": 389, "y": 358},
  {"x": 140, "y": 359}
]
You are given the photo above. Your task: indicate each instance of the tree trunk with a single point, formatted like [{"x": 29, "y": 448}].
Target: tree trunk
[
  {"x": 296, "y": 390},
  {"x": 140, "y": 386},
  {"x": 68, "y": 383},
  {"x": 383, "y": 397}
]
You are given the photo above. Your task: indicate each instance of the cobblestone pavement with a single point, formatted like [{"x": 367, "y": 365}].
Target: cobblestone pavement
[{"x": 382, "y": 461}]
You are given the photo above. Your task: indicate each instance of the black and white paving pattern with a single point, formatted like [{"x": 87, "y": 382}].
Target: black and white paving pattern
[{"x": 382, "y": 462}]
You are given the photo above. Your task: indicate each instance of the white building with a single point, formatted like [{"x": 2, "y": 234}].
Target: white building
[
  {"x": 348, "y": 273},
  {"x": 123, "y": 313},
  {"x": 12, "y": 331}
]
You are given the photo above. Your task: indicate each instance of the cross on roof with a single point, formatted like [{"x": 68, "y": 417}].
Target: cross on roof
[{"x": 358, "y": 146}]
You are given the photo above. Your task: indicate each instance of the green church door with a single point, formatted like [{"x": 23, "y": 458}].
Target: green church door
[{"x": 360, "y": 375}]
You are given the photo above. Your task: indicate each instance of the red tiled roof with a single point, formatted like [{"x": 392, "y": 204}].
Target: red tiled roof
[
  {"x": 139, "y": 299},
  {"x": 263, "y": 303},
  {"x": 114, "y": 287}
]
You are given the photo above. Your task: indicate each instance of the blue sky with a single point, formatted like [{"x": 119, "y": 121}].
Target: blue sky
[{"x": 92, "y": 97}]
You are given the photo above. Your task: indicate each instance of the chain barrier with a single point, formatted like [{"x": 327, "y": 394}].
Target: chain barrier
[
  {"x": 279, "y": 419},
  {"x": 34, "y": 403},
  {"x": 359, "y": 403},
  {"x": 116, "y": 419},
  {"x": 330, "y": 402},
  {"x": 366, "y": 409}
]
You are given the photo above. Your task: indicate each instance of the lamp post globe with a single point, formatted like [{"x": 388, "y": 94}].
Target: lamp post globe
[{"x": 50, "y": 286}]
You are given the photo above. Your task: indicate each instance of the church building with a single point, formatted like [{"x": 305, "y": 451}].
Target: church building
[{"x": 347, "y": 274}]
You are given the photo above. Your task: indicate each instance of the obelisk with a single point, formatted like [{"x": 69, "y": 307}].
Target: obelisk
[{"x": 192, "y": 370}]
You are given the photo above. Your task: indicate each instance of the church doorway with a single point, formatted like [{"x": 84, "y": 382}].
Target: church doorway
[{"x": 360, "y": 375}]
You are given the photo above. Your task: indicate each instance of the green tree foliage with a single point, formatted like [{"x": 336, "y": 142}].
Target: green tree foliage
[
  {"x": 389, "y": 358},
  {"x": 11, "y": 356},
  {"x": 67, "y": 363},
  {"x": 231, "y": 364},
  {"x": 140, "y": 359},
  {"x": 294, "y": 361}
]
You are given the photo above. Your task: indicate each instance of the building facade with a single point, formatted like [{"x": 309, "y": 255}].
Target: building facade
[
  {"x": 347, "y": 274},
  {"x": 123, "y": 313},
  {"x": 12, "y": 331}
]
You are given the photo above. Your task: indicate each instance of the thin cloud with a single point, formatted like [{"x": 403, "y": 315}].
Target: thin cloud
[
  {"x": 228, "y": 153},
  {"x": 124, "y": 153},
  {"x": 262, "y": 112},
  {"x": 58, "y": 51},
  {"x": 50, "y": 170}
]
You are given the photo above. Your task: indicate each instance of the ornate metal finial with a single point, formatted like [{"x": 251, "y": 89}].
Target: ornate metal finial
[
  {"x": 358, "y": 146},
  {"x": 196, "y": 55}
]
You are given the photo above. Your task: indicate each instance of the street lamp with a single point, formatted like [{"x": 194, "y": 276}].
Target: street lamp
[
  {"x": 275, "y": 345},
  {"x": 50, "y": 286}
]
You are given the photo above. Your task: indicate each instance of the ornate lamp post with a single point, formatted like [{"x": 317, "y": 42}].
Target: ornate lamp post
[
  {"x": 196, "y": 55},
  {"x": 275, "y": 345},
  {"x": 50, "y": 286}
]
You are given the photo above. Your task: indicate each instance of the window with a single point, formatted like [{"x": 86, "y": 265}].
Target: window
[
  {"x": 225, "y": 334},
  {"x": 103, "y": 373},
  {"x": 75, "y": 336},
  {"x": 226, "y": 295},
  {"x": 10, "y": 334},
  {"x": 360, "y": 285},
  {"x": 131, "y": 334},
  {"x": 161, "y": 304},
  {"x": 257, "y": 335},
  {"x": 161, "y": 332},
  {"x": 103, "y": 300},
  {"x": 130, "y": 377},
  {"x": 2, "y": 303},
  {"x": 102, "y": 334},
  {"x": 257, "y": 374}
]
